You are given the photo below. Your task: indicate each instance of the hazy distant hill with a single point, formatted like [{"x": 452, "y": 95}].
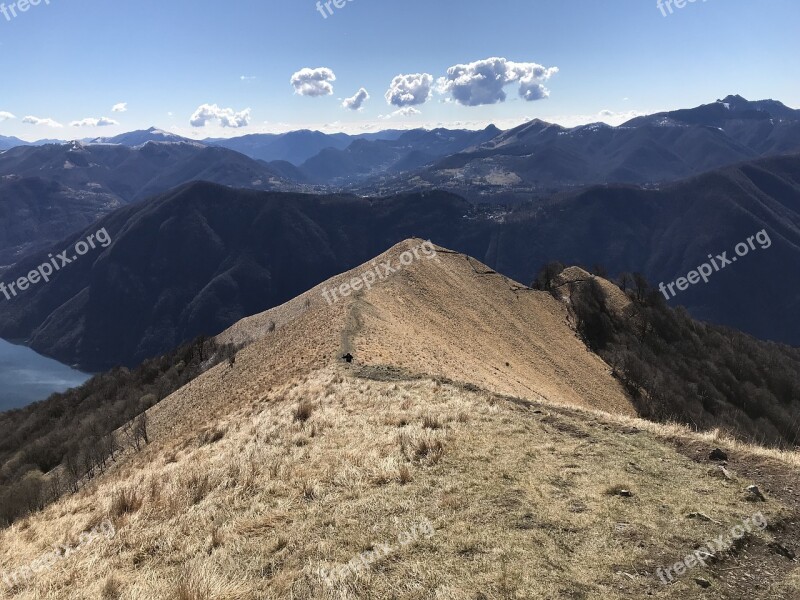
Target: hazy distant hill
[
  {"x": 11, "y": 142},
  {"x": 412, "y": 150},
  {"x": 295, "y": 146},
  {"x": 132, "y": 173}
]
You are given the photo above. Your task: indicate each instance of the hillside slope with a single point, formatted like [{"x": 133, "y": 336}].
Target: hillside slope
[{"x": 265, "y": 475}]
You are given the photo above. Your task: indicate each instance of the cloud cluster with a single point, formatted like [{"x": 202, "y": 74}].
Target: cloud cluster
[
  {"x": 121, "y": 107},
  {"x": 483, "y": 81},
  {"x": 410, "y": 90},
  {"x": 357, "y": 101},
  {"x": 313, "y": 82},
  {"x": 227, "y": 117},
  {"x": 406, "y": 111},
  {"x": 5, "y": 116},
  {"x": 91, "y": 122},
  {"x": 37, "y": 121}
]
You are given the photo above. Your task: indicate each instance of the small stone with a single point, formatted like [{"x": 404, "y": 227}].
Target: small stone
[
  {"x": 782, "y": 550},
  {"x": 698, "y": 515},
  {"x": 720, "y": 471},
  {"x": 756, "y": 493},
  {"x": 626, "y": 493},
  {"x": 718, "y": 454},
  {"x": 703, "y": 583}
]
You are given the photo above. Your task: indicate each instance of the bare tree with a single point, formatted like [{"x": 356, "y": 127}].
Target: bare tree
[{"x": 140, "y": 430}]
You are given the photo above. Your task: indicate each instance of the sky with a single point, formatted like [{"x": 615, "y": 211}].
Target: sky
[{"x": 85, "y": 68}]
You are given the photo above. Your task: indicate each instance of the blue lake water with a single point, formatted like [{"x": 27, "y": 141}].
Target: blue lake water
[{"x": 26, "y": 376}]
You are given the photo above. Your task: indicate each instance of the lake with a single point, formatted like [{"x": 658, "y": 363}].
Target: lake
[{"x": 27, "y": 377}]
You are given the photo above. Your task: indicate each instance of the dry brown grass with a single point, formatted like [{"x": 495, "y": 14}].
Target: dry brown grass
[
  {"x": 125, "y": 501},
  {"x": 303, "y": 411},
  {"x": 317, "y": 464},
  {"x": 112, "y": 589},
  {"x": 513, "y": 494}
]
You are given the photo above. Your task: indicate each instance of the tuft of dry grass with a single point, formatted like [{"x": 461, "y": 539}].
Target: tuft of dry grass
[
  {"x": 404, "y": 475},
  {"x": 125, "y": 501},
  {"x": 429, "y": 449},
  {"x": 303, "y": 411},
  {"x": 431, "y": 422},
  {"x": 197, "y": 488},
  {"x": 112, "y": 589},
  {"x": 210, "y": 435}
]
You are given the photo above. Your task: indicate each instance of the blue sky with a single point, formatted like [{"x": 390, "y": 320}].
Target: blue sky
[{"x": 71, "y": 60}]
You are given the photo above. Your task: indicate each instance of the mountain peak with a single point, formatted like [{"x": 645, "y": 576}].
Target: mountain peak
[
  {"x": 734, "y": 99},
  {"x": 422, "y": 308}
]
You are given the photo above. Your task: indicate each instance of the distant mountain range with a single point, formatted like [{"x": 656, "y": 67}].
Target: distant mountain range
[
  {"x": 203, "y": 256},
  {"x": 536, "y": 156},
  {"x": 12, "y": 142},
  {"x": 133, "y": 173},
  {"x": 56, "y": 188},
  {"x": 647, "y": 150},
  {"x": 296, "y": 147},
  {"x": 410, "y": 151}
]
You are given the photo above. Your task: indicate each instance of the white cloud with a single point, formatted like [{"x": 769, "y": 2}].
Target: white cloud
[
  {"x": 90, "y": 122},
  {"x": 618, "y": 118},
  {"x": 357, "y": 101},
  {"x": 227, "y": 117},
  {"x": 410, "y": 90},
  {"x": 247, "y": 77},
  {"x": 5, "y": 116},
  {"x": 121, "y": 107},
  {"x": 482, "y": 82},
  {"x": 313, "y": 82},
  {"x": 406, "y": 111},
  {"x": 37, "y": 121}
]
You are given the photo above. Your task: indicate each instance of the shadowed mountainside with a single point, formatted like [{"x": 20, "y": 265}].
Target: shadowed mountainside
[{"x": 202, "y": 257}]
